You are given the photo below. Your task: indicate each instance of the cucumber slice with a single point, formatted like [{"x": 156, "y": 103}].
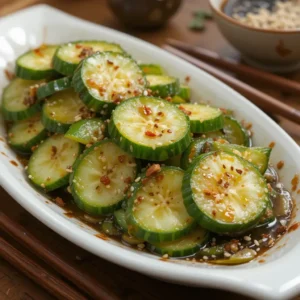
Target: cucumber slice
[
  {"x": 185, "y": 246},
  {"x": 87, "y": 131},
  {"x": 23, "y": 135},
  {"x": 36, "y": 64},
  {"x": 105, "y": 79},
  {"x": 49, "y": 166},
  {"x": 184, "y": 92},
  {"x": 63, "y": 109},
  {"x": 197, "y": 146},
  {"x": 224, "y": 192},
  {"x": 235, "y": 133},
  {"x": 163, "y": 86},
  {"x": 203, "y": 118},
  {"x": 101, "y": 178},
  {"x": 152, "y": 69},
  {"x": 150, "y": 128},
  {"x": 155, "y": 211},
  {"x": 53, "y": 87},
  {"x": 120, "y": 218},
  {"x": 258, "y": 156},
  {"x": 177, "y": 100},
  {"x": 19, "y": 100},
  {"x": 68, "y": 56}
]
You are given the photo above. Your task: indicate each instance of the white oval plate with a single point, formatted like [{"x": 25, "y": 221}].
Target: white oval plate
[{"x": 277, "y": 278}]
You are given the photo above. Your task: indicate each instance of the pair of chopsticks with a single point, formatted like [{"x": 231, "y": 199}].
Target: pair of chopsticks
[
  {"x": 53, "y": 284},
  {"x": 197, "y": 56}
]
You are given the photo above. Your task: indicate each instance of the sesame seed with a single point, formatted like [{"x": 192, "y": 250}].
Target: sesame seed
[
  {"x": 205, "y": 257},
  {"x": 141, "y": 246},
  {"x": 283, "y": 222},
  {"x": 247, "y": 238},
  {"x": 257, "y": 249},
  {"x": 226, "y": 254},
  {"x": 256, "y": 242},
  {"x": 213, "y": 256},
  {"x": 138, "y": 179},
  {"x": 165, "y": 255},
  {"x": 30, "y": 176},
  {"x": 131, "y": 189}
]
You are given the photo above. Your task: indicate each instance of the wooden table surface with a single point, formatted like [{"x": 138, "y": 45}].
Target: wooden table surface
[{"x": 128, "y": 284}]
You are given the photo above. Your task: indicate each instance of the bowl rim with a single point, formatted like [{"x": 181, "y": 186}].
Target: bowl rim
[{"x": 221, "y": 14}]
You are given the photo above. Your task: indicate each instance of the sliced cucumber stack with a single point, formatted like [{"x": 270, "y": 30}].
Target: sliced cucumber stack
[
  {"x": 52, "y": 87},
  {"x": 224, "y": 192},
  {"x": 19, "y": 100},
  {"x": 63, "y": 109},
  {"x": 68, "y": 56},
  {"x": 50, "y": 164},
  {"x": 87, "y": 131},
  {"x": 155, "y": 211},
  {"x": 162, "y": 85},
  {"x": 101, "y": 178},
  {"x": 150, "y": 128},
  {"x": 203, "y": 118},
  {"x": 36, "y": 64},
  {"x": 108, "y": 78},
  {"x": 185, "y": 246},
  {"x": 25, "y": 134},
  {"x": 258, "y": 156}
]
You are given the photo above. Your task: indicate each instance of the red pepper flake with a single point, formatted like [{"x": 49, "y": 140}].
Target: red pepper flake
[
  {"x": 140, "y": 198},
  {"x": 85, "y": 52},
  {"x": 226, "y": 185},
  {"x": 239, "y": 171},
  {"x": 116, "y": 68},
  {"x": 155, "y": 125},
  {"x": 187, "y": 79},
  {"x": 59, "y": 201},
  {"x": 187, "y": 112},
  {"x": 105, "y": 180},
  {"x": 207, "y": 192},
  {"x": 281, "y": 230},
  {"x": 169, "y": 131},
  {"x": 9, "y": 75},
  {"x": 159, "y": 177},
  {"x": 214, "y": 213},
  {"x": 53, "y": 151},
  {"x": 128, "y": 180},
  {"x": 231, "y": 168},
  {"x": 169, "y": 99},
  {"x": 160, "y": 113},
  {"x": 109, "y": 62},
  {"x": 294, "y": 227},
  {"x": 224, "y": 167},
  {"x": 153, "y": 169},
  {"x": 295, "y": 182},
  {"x": 272, "y": 144},
  {"x": 78, "y": 46},
  {"x": 121, "y": 158},
  {"x": 280, "y": 165},
  {"x": 147, "y": 111},
  {"x": 150, "y": 133},
  {"x": 144, "y": 181},
  {"x": 151, "y": 194},
  {"x": 220, "y": 181}
]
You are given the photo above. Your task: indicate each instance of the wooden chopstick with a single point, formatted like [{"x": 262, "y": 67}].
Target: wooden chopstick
[
  {"x": 15, "y": 5},
  {"x": 82, "y": 280},
  {"x": 262, "y": 100},
  {"x": 51, "y": 283},
  {"x": 240, "y": 69}
]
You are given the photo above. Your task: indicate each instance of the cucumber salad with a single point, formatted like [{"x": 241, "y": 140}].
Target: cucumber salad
[{"x": 121, "y": 145}]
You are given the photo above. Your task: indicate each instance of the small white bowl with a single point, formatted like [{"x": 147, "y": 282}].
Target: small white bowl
[{"x": 271, "y": 50}]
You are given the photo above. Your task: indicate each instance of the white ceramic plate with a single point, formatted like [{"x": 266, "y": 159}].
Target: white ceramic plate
[{"x": 277, "y": 278}]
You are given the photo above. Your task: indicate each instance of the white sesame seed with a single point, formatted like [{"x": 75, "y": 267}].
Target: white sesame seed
[
  {"x": 141, "y": 246},
  {"x": 247, "y": 238},
  {"x": 165, "y": 255},
  {"x": 30, "y": 176},
  {"x": 226, "y": 254},
  {"x": 131, "y": 189},
  {"x": 283, "y": 222},
  {"x": 138, "y": 179},
  {"x": 264, "y": 239},
  {"x": 256, "y": 242},
  {"x": 213, "y": 256},
  {"x": 257, "y": 249},
  {"x": 205, "y": 257}
]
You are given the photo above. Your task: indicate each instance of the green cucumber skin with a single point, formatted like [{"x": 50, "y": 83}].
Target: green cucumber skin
[
  {"x": 21, "y": 115},
  {"x": 167, "y": 90},
  {"x": 91, "y": 102},
  {"x": 230, "y": 147},
  {"x": 67, "y": 68},
  {"x": 198, "y": 143},
  {"x": 26, "y": 148},
  {"x": 208, "y": 125},
  {"x": 178, "y": 253},
  {"x": 202, "y": 219},
  {"x": 53, "y": 86},
  {"x": 142, "y": 233},
  {"x": 29, "y": 74},
  {"x": 120, "y": 219},
  {"x": 184, "y": 92},
  {"x": 93, "y": 210},
  {"x": 143, "y": 152},
  {"x": 52, "y": 125}
]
